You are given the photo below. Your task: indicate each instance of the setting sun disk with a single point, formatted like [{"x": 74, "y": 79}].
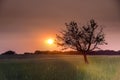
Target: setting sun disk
[{"x": 50, "y": 41}]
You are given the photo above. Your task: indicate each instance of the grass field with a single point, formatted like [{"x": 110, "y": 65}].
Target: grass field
[{"x": 62, "y": 67}]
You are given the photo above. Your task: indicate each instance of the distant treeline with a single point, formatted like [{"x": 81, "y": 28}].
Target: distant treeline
[
  {"x": 37, "y": 52},
  {"x": 104, "y": 52}
]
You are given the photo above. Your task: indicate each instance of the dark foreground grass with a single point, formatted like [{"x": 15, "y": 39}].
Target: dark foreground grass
[{"x": 61, "y": 68}]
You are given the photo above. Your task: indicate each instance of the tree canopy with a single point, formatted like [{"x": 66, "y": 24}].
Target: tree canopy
[{"x": 81, "y": 38}]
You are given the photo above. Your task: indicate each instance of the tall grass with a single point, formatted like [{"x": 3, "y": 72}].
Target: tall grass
[{"x": 61, "y": 68}]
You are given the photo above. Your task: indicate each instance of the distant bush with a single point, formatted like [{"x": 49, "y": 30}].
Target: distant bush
[
  {"x": 42, "y": 52},
  {"x": 9, "y": 53},
  {"x": 28, "y": 53},
  {"x": 38, "y": 52}
]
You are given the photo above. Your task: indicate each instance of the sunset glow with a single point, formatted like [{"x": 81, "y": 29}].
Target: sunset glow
[
  {"x": 29, "y": 25},
  {"x": 50, "y": 41}
]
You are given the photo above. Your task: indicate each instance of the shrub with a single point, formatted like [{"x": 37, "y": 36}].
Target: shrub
[{"x": 9, "y": 53}]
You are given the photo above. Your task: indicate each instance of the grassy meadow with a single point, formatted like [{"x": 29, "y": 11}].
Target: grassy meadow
[{"x": 60, "y": 67}]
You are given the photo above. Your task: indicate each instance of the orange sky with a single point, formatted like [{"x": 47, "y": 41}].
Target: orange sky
[{"x": 26, "y": 24}]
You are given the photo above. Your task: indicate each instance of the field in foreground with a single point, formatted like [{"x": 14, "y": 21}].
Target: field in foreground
[{"x": 60, "y": 67}]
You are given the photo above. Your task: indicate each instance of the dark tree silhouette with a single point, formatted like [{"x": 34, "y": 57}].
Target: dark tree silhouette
[
  {"x": 9, "y": 53},
  {"x": 83, "y": 39}
]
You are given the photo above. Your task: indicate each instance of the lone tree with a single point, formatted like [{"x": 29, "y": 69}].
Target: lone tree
[{"x": 82, "y": 39}]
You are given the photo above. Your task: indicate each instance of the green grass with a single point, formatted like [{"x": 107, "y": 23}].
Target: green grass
[{"x": 61, "y": 68}]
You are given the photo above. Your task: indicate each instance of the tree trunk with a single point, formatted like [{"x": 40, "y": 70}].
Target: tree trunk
[{"x": 85, "y": 58}]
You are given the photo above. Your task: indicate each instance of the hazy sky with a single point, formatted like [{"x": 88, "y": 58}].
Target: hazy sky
[{"x": 26, "y": 24}]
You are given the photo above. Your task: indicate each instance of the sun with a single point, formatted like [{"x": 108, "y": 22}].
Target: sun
[{"x": 50, "y": 41}]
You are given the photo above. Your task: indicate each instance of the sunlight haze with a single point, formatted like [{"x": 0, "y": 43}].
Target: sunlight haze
[{"x": 26, "y": 24}]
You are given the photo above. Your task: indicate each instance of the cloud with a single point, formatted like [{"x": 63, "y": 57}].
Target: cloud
[
  {"x": 22, "y": 20},
  {"x": 18, "y": 15}
]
